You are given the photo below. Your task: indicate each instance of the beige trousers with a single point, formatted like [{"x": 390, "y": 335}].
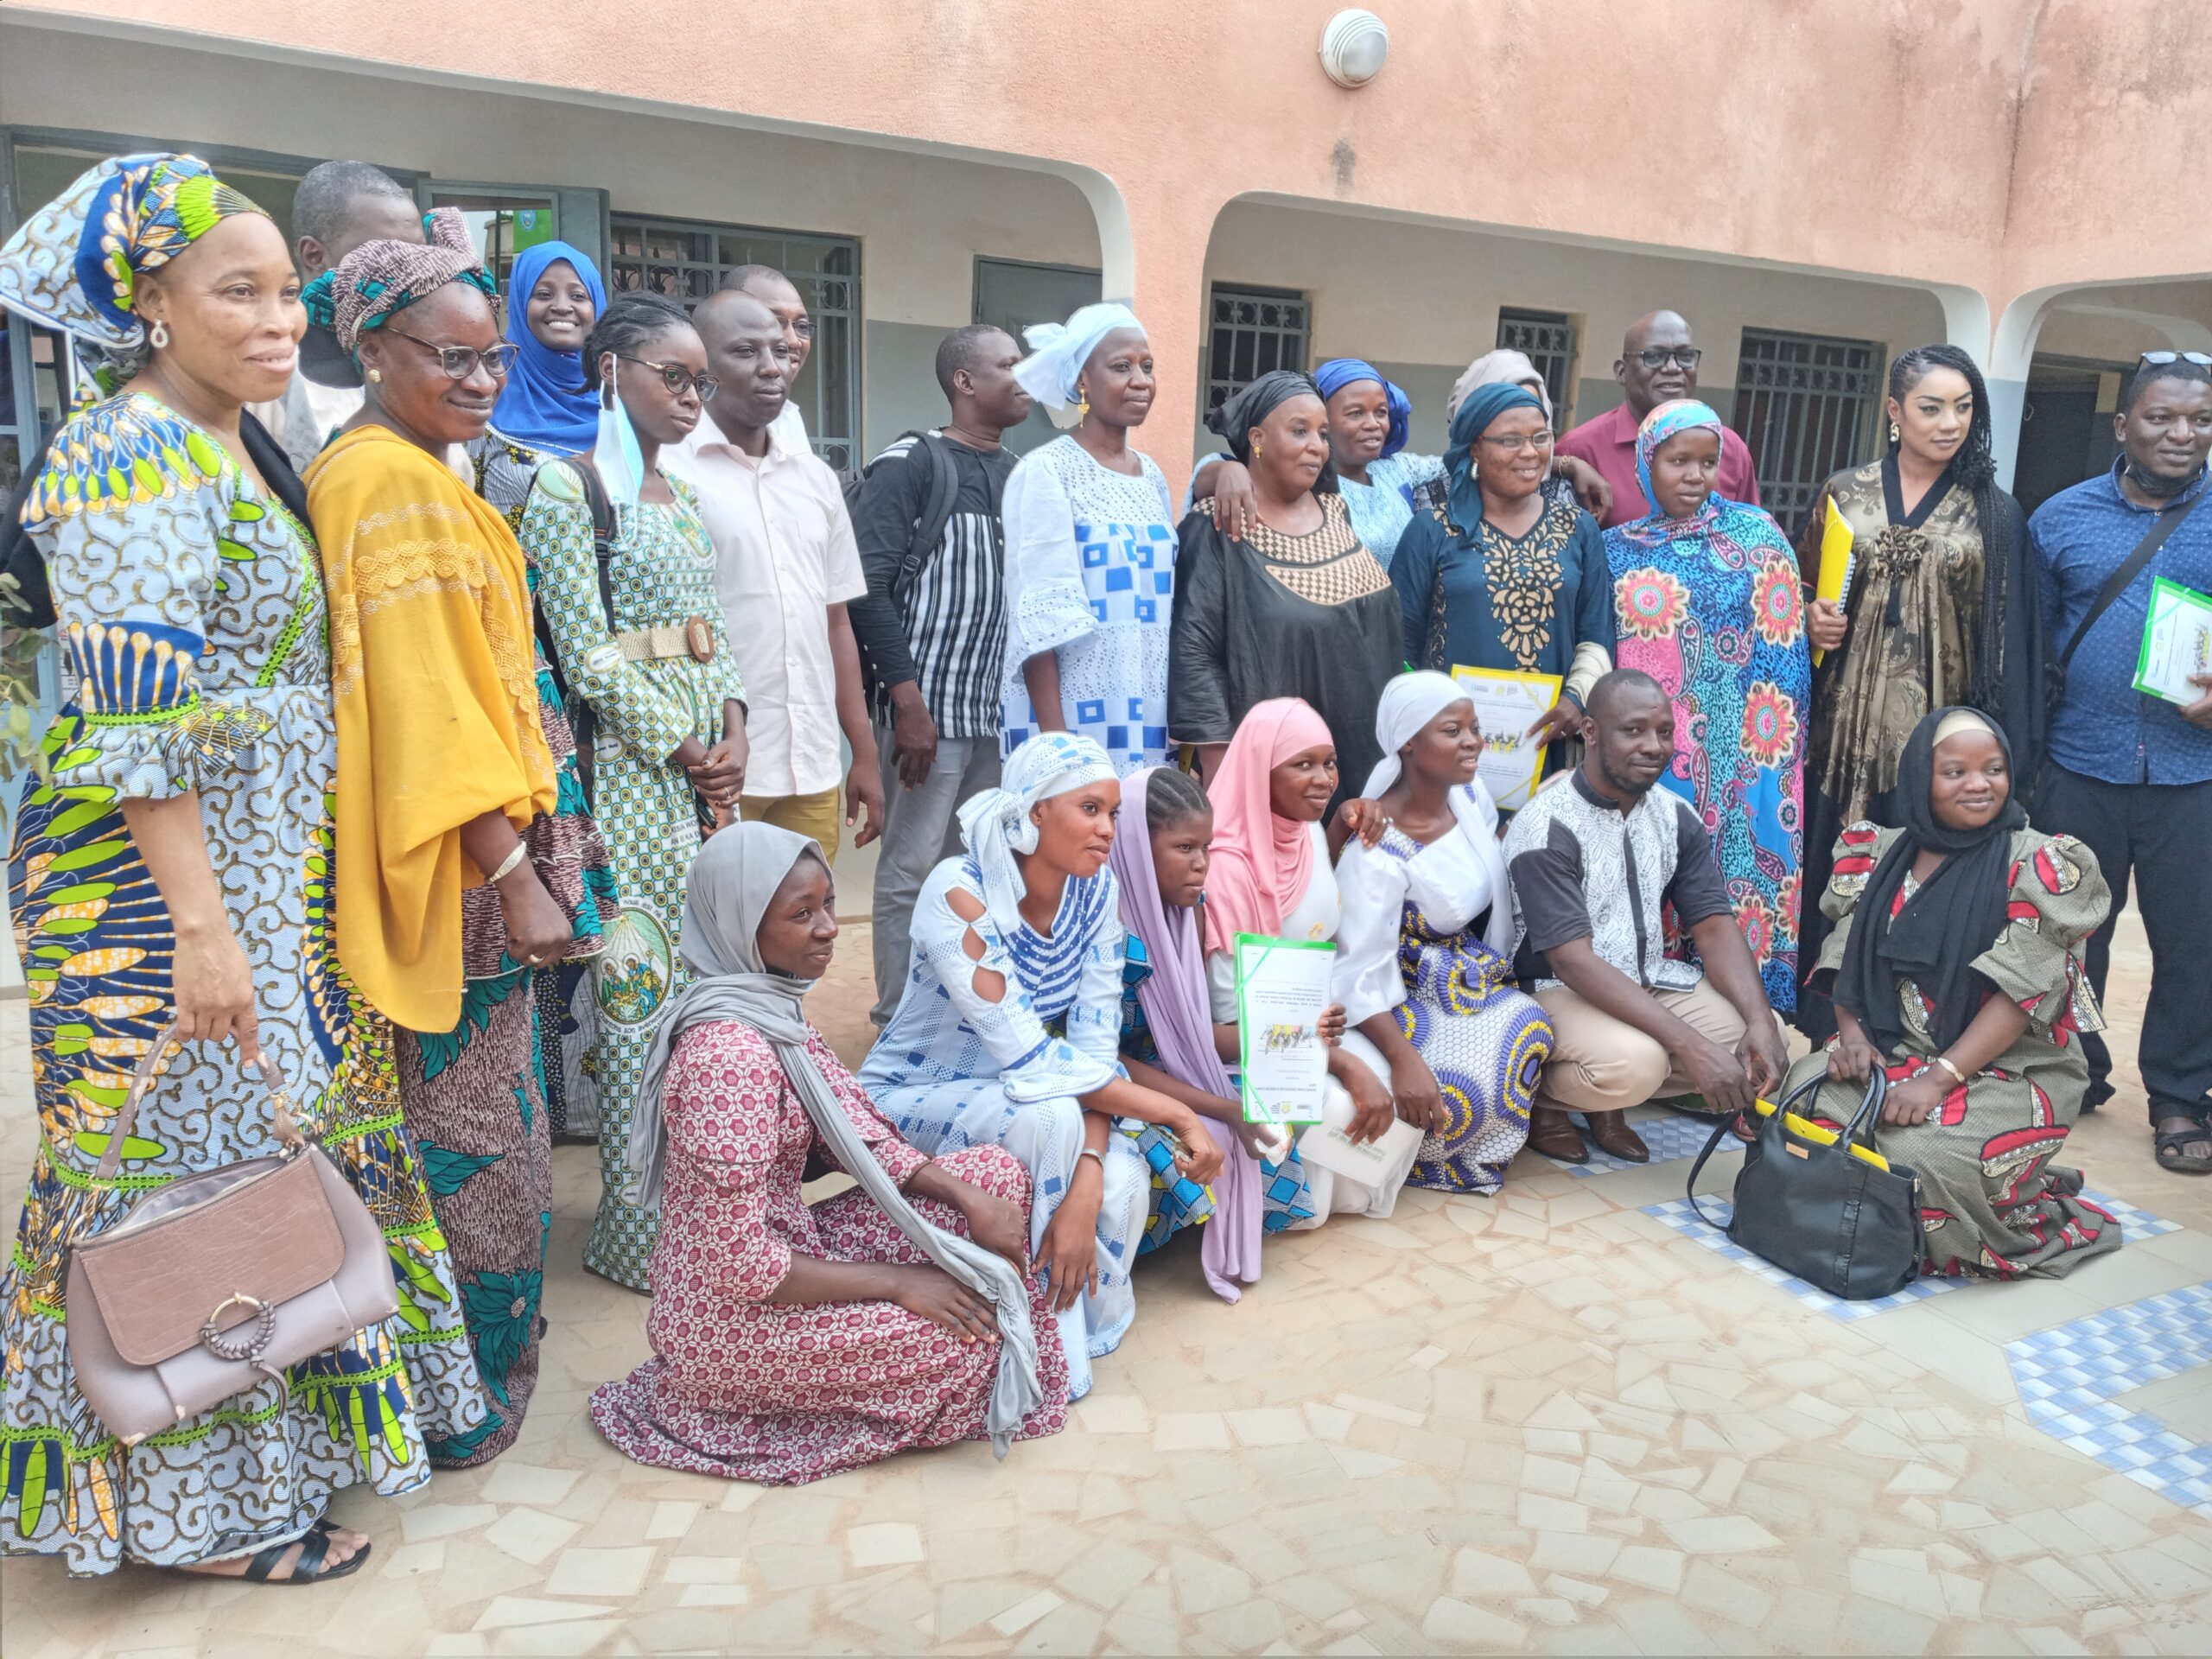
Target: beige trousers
[{"x": 1599, "y": 1064}]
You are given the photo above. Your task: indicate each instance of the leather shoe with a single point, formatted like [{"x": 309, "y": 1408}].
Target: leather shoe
[
  {"x": 1611, "y": 1133},
  {"x": 1553, "y": 1133}
]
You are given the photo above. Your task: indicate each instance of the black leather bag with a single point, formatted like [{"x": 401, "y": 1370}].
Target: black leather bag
[{"x": 1819, "y": 1210}]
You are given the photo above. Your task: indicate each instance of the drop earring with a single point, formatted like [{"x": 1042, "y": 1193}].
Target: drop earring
[
  {"x": 158, "y": 335},
  {"x": 1082, "y": 403},
  {"x": 1894, "y": 434}
]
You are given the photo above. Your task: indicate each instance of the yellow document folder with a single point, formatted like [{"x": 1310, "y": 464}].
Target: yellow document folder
[{"x": 1834, "y": 581}]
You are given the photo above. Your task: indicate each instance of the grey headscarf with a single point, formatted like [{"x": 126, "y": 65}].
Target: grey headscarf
[{"x": 731, "y": 882}]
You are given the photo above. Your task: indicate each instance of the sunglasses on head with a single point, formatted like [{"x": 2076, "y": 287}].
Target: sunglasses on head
[{"x": 2159, "y": 360}]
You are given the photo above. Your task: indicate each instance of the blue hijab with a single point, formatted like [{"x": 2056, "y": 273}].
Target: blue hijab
[
  {"x": 1482, "y": 405},
  {"x": 1339, "y": 372},
  {"x": 546, "y": 404}
]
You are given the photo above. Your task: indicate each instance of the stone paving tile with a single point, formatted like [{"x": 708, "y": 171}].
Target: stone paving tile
[{"x": 1542, "y": 1422}]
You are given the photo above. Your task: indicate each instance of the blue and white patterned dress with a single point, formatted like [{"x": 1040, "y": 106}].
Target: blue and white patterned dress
[
  {"x": 1091, "y": 576},
  {"x": 956, "y": 1069}
]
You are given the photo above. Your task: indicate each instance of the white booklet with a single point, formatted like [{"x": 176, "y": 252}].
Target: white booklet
[
  {"x": 1379, "y": 1163},
  {"x": 1283, "y": 987},
  {"x": 2177, "y": 643}
]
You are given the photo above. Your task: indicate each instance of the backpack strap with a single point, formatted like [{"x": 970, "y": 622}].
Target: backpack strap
[{"x": 935, "y": 454}]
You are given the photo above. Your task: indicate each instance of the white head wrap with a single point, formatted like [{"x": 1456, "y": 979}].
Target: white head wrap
[
  {"x": 1501, "y": 367},
  {"x": 995, "y": 824},
  {"x": 1407, "y": 703},
  {"x": 1058, "y": 351}
]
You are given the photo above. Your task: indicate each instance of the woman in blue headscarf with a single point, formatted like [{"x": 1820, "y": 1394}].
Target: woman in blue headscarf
[
  {"x": 1506, "y": 575},
  {"x": 554, "y": 296}
]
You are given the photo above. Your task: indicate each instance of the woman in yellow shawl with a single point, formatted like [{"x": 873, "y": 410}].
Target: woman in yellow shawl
[{"x": 461, "y": 865}]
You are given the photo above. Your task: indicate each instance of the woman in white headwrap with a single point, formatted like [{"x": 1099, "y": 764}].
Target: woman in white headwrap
[
  {"x": 794, "y": 1340},
  {"x": 1090, "y": 548},
  {"x": 1009, "y": 1031},
  {"x": 1421, "y": 963}
]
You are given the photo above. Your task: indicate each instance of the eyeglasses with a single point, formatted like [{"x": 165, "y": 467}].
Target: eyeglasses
[
  {"x": 2159, "y": 360},
  {"x": 1515, "y": 442},
  {"x": 676, "y": 377},
  {"x": 1657, "y": 357},
  {"x": 459, "y": 361}
]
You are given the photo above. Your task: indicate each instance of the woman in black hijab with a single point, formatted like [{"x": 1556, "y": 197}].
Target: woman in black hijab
[
  {"x": 1295, "y": 607},
  {"x": 1957, "y": 968}
]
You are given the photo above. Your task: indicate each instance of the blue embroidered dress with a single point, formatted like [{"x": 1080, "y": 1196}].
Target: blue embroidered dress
[{"x": 955, "y": 1068}]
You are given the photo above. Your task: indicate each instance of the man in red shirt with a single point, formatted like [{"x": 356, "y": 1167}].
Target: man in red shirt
[{"x": 1658, "y": 364}]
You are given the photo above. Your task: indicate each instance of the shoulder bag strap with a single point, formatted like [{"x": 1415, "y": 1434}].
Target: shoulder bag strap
[
  {"x": 605, "y": 527},
  {"x": 2120, "y": 580},
  {"x": 288, "y": 1130}
]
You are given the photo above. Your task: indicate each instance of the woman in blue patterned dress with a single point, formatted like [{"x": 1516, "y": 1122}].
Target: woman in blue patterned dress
[
  {"x": 1422, "y": 965},
  {"x": 1708, "y": 602},
  {"x": 177, "y": 867},
  {"x": 1009, "y": 1032}
]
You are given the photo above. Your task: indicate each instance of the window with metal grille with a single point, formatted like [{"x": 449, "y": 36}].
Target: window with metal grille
[
  {"x": 1546, "y": 340},
  {"x": 1254, "y": 330},
  {"x": 687, "y": 262},
  {"x": 1806, "y": 405}
]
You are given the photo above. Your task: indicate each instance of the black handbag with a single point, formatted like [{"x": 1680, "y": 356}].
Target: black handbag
[{"x": 1830, "y": 1212}]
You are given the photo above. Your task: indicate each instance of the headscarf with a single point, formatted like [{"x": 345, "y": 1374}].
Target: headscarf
[
  {"x": 1956, "y": 915},
  {"x": 1473, "y": 419},
  {"x": 995, "y": 824},
  {"x": 378, "y": 280},
  {"x": 1058, "y": 351},
  {"x": 1667, "y": 420},
  {"x": 1334, "y": 376},
  {"x": 1180, "y": 1015},
  {"x": 74, "y": 263},
  {"x": 1262, "y": 863},
  {"x": 1243, "y": 409},
  {"x": 545, "y": 403},
  {"x": 1503, "y": 367},
  {"x": 733, "y": 878},
  {"x": 1408, "y": 702}
]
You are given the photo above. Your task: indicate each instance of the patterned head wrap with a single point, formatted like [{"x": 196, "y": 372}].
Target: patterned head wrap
[
  {"x": 378, "y": 280},
  {"x": 74, "y": 265},
  {"x": 995, "y": 824},
  {"x": 1334, "y": 376},
  {"x": 1053, "y": 369},
  {"x": 1482, "y": 405},
  {"x": 1667, "y": 420}
]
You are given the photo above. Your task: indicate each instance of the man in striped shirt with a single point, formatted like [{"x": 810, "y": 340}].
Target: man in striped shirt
[{"x": 932, "y": 626}]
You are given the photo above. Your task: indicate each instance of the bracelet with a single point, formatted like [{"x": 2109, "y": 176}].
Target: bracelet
[
  {"x": 1957, "y": 1076},
  {"x": 507, "y": 864},
  {"x": 1092, "y": 1151}
]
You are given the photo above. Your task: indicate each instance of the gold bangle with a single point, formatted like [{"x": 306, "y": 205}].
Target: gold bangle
[
  {"x": 507, "y": 864},
  {"x": 1957, "y": 1076}
]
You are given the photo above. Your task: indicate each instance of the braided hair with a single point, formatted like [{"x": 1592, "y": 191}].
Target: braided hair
[
  {"x": 1171, "y": 796},
  {"x": 1975, "y": 468},
  {"x": 632, "y": 318}
]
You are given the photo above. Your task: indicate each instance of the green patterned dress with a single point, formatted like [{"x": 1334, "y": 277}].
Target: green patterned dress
[
  {"x": 663, "y": 575},
  {"x": 193, "y": 615}
]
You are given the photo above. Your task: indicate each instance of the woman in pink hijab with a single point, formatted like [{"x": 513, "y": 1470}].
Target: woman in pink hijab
[{"x": 1270, "y": 874}]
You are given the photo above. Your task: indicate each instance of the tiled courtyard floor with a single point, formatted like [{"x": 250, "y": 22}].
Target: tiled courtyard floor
[{"x": 1548, "y": 1421}]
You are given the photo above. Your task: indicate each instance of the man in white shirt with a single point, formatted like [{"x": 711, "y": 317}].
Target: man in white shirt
[
  {"x": 781, "y": 295},
  {"x": 787, "y": 566}
]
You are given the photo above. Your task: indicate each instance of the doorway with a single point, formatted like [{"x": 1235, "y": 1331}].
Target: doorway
[
  {"x": 2065, "y": 426},
  {"x": 1012, "y": 294}
]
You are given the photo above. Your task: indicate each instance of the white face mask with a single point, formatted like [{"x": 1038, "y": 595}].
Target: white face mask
[{"x": 615, "y": 453}]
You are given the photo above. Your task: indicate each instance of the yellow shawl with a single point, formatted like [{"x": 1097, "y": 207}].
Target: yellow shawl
[{"x": 436, "y": 687}]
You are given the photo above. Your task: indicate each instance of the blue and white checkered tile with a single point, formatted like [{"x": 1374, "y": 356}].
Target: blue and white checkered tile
[
  {"x": 2134, "y": 1223},
  {"x": 1668, "y": 1134},
  {"x": 1678, "y": 1215},
  {"x": 2070, "y": 1377}
]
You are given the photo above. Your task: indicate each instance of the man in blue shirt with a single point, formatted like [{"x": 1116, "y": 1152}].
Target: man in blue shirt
[{"x": 2131, "y": 774}]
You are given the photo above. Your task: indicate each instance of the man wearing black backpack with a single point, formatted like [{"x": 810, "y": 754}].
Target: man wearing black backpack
[{"x": 932, "y": 626}]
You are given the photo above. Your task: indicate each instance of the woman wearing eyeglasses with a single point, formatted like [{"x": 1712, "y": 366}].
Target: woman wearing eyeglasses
[
  {"x": 1942, "y": 609},
  {"x": 642, "y": 641},
  {"x": 461, "y": 868},
  {"x": 1505, "y": 576}
]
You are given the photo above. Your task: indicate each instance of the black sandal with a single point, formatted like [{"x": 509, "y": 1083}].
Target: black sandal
[
  {"x": 314, "y": 1548},
  {"x": 2167, "y": 1144}
]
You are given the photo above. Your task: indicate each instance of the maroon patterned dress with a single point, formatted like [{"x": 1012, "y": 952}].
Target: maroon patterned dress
[{"x": 783, "y": 1394}]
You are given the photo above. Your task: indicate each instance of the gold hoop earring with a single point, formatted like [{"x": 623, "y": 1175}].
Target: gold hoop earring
[
  {"x": 158, "y": 335},
  {"x": 1894, "y": 434}
]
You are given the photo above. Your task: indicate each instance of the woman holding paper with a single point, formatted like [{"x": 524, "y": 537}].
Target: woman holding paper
[
  {"x": 1428, "y": 924},
  {"x": 1270, "y": 876},
  {"x": 1707, "y": 599},
  {"x": 1010, "y": 1029},
  {"x": 1505, "y": 577},
  {"x": 1940, "y": 608}
]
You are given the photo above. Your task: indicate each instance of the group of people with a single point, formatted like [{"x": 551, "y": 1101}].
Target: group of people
[{"x": 487, "y": 777}]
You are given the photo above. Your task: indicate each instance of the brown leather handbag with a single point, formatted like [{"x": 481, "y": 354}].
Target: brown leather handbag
[{"x": 221, "y": 1279}]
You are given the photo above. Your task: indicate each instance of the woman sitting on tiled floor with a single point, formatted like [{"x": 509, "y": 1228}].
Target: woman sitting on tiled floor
[{"x": 1969, "y": 991}]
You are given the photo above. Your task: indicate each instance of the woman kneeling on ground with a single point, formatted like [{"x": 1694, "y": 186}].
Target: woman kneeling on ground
[
  {"x": 793, "y": 1341},
  {"x": 1957, "y": 968}
]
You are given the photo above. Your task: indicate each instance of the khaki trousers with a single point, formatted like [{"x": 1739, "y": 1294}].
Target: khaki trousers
[
  {"x": 820, "y": 815},
  {"x": 1599, "y": 1064}
]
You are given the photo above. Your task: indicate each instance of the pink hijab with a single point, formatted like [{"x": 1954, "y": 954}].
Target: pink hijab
[{"x": 1262, "y": 863}]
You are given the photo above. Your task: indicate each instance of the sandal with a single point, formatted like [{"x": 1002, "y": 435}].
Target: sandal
[
  {"x": 2167, "y": 1144},
  {"x": 314, "y": 1547},
  {"x": 1552, "y": 1133},
  {"x": 1615, "y": 1138}
]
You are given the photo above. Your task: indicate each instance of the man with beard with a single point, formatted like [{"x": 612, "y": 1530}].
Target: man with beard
[
  {"x": 2129, "y": 773},
  {"x": 1658, "y": 364},
  {"x": 1595, "y": 859}
]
